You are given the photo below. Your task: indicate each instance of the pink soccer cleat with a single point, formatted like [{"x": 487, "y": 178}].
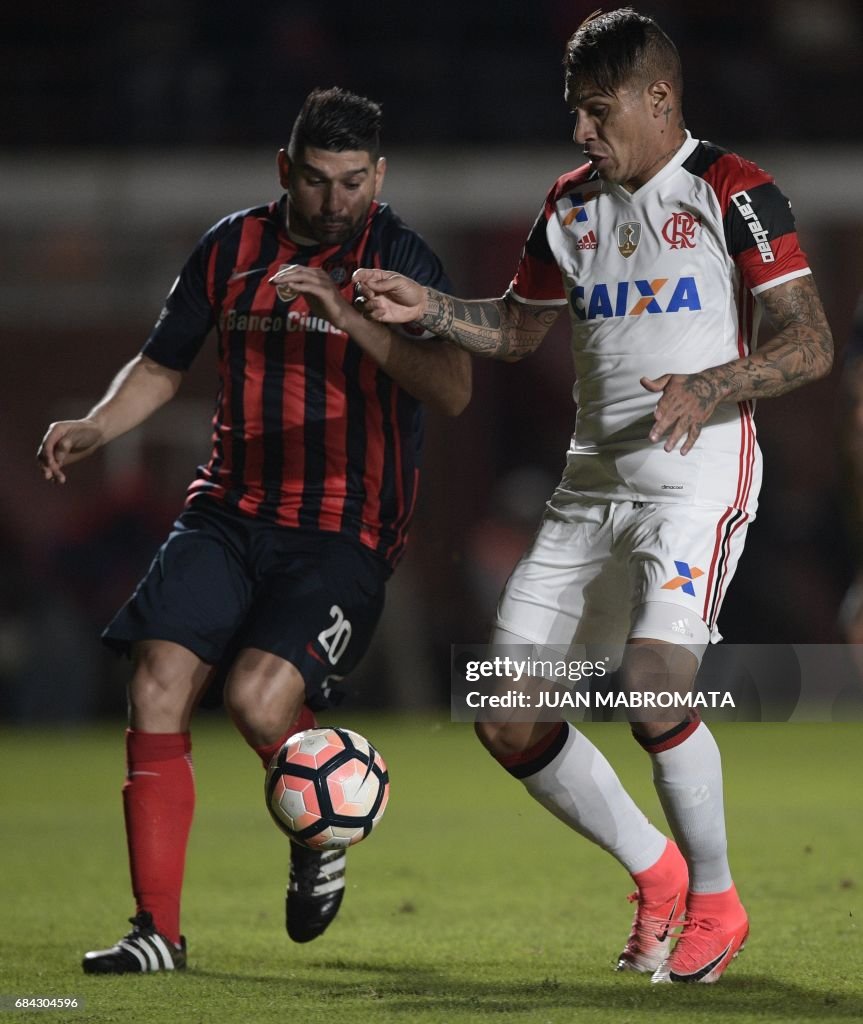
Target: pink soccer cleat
[
  {"x": 713, "y": 934},
  {"x": 661, "y": 905}
]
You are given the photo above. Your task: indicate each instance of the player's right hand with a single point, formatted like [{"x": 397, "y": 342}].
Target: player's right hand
[
  {"x": 388, "y": 297},
  {"x": 65, "y": 442}
]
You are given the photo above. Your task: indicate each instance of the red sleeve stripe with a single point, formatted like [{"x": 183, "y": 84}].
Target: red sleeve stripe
[{"x": 760, "y": 233}]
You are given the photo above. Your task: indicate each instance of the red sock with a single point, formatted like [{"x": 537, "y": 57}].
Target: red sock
[
  {"x": 158, "y": 800},
  {"x": 304, "y": 720}
]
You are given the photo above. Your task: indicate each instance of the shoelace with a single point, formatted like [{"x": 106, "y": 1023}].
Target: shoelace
[
  {"x": 142, "y": 922},
  {"x": 696, "y": 921},
  {"x": 648, "y": 926},
  {"x": 694, "y": 942}
]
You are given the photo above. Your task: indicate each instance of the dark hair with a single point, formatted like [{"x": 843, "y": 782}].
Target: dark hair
[
  {"x": 338, "y": 121},
  {"x": 622, "y": 46}
]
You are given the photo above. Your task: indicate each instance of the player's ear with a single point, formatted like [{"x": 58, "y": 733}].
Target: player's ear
[
  {"x": 659, "y": 93},
  {"x": 380, "y": 172},
  {"x": 284, "y": 164}
]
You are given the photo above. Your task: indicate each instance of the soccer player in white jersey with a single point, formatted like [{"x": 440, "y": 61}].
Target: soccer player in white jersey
[{"x": 665, "y": 251}]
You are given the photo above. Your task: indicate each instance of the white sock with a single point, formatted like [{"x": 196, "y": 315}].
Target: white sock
[
  {"x": 580, "y": 787},
  {"x": 688, "y": 779}
]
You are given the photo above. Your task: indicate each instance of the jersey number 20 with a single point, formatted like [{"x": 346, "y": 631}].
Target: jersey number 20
[{"x": 335, "y": 638}]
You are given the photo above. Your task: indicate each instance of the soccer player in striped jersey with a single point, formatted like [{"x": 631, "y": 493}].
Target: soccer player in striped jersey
[
  {"x": 275, "y": 571},
  {"x": 665, "y": 251}
]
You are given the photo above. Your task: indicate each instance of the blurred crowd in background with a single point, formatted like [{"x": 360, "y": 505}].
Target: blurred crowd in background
[
  {"x": 207, "y": 72},
  {"x": 99, "y": 97}
]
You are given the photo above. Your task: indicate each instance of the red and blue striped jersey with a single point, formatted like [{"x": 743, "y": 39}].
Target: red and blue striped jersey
[{"x": 308, "y": 431}]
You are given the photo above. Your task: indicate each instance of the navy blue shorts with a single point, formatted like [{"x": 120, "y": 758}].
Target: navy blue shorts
[{"x": 223, "y": 581}]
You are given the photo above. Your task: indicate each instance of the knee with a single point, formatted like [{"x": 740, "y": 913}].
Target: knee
[
  {"x": 263, "y": 695},
  {"x": 251, "y": 714},
  {"x": 506, "y": 739},
  {"x": 164, "y": 687}
]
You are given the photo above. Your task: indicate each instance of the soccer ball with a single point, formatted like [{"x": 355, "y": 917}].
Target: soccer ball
[{"x": 327, "y": 788}]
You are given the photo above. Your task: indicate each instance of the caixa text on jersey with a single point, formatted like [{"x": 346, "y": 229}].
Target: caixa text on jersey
[{"x": 632, "y": 298}]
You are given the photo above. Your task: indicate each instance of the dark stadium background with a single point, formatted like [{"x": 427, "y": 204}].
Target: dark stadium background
[{"x": 130, "y": 128}]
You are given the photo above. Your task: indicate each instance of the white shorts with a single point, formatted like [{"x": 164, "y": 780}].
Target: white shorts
[{"x": 598, "y": 574}]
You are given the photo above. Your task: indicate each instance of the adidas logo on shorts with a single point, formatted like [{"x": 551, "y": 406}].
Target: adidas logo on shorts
[{"x": 682, "y": 626}]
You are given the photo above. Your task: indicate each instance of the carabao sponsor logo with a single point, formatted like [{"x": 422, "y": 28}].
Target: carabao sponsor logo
[
  {"x": 633, "y": 298},
  {"x": 743, "y": 202}
]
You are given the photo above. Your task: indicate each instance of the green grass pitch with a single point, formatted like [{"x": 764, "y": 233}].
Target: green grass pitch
[{"x": 470, "y": 903}]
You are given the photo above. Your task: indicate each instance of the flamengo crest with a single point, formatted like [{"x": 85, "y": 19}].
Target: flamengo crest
[{"x": 679, "y": 230}]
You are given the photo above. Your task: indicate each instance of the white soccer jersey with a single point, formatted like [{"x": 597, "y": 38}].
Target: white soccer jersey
[{"x": 662, "y": 280}]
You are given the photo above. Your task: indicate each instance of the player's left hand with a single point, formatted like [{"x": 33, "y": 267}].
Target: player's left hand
[
  {"x": 687, "y": 403},
  {"x": 320, "y": 291}
]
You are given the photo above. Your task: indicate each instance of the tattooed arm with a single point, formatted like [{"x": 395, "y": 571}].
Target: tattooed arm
[
  {"x": 801, "y": 351},
  {"x": 495, "y": 328}
]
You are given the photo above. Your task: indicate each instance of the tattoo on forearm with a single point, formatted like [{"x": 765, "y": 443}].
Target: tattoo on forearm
[
  {"x": 486, "y": 327},
  {"x": 801, "y": 351}
]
